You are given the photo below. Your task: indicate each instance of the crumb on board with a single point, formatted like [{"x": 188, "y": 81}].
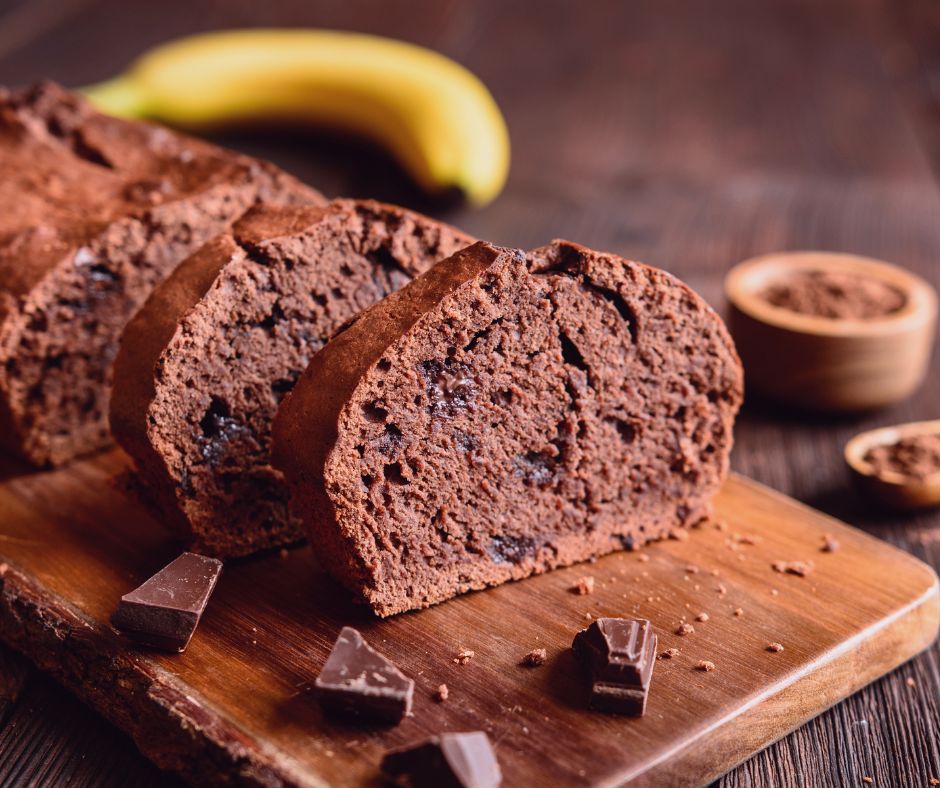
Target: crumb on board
[
  {"x": 774, "y": 592},
  {"x": 684, "y": 629},
  {"x": 910, "y": 682},
  {"x": 669, "y": 653},
  {"x": 798, "y": 568},
  {"x": 678, "y": 534},
  {"x": 776, "y": 648},
  {"x": 464, "y": 656},
  {"x": 442, "y": 693},
  {"x": 738, "y": 612},
  {"x": 830, "y": 544},
  {"x": 584, "y": 586},
  {"x": 703, "y": 617},
  {"x": 643, "y": 558},
  {"x": 867, "y": 780},
  {"x": 705, "y": 665},
  {"x": 692, "y": 569},
  {"x": 534, "y": 658},
  {"x": 721, "y": 589}
]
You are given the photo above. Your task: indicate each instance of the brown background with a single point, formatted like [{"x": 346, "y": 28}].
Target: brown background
[{"x": 687, "y": 134}]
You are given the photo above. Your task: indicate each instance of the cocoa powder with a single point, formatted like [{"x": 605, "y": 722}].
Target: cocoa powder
[
  {"x": 916, "y": 457},
  {"x": 837, "y": 295}
]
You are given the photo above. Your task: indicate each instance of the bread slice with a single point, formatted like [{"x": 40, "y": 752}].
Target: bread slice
[
  {"x": 94, "y": 212},
  {"x": 205, "y": 363},
  {"x": 505, "y": 414}
]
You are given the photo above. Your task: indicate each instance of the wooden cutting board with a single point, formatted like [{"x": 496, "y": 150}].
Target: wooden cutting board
[{"x": 237, "y": 704}]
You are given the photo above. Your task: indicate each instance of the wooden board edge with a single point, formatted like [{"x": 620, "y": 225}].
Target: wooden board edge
[
  {"x": 799, "y": 697},
  {"x": 182, "y": 734}
]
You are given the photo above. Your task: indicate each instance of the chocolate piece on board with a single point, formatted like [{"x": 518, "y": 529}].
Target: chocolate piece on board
[
  {"x": 451, "y": 760},
  {"x": 358, "y": 682},
  {"x": 165, "y": 610},
  {"x": 619, "y": 655}
]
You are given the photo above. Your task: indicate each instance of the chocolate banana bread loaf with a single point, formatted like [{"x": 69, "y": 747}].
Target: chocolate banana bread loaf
[
  {"x": 94, "y": 211},
  {"x": 505, "y": 414},
  {"x": 205, "y": 363}
]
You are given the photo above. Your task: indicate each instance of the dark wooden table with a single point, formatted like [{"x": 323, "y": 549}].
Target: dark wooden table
[{"x": 687, "y": 134}]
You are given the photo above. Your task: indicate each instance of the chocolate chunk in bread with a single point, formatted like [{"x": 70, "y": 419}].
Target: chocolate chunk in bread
[
  {"x": 205, "y": 363},
  {"x": 506, "y": 414},
  {"x": 95, "y": 211}
]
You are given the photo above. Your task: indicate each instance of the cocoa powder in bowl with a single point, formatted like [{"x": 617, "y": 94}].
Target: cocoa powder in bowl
[
  {"x": 838, "y": 295},
  {"x": 916, "y": 457}
]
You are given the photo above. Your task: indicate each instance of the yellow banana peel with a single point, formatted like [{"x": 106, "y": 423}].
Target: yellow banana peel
[{"x": 431, "y": 113}]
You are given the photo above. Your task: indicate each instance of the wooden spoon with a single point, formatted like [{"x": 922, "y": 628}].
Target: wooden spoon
[{"x": 889, "y": 487}]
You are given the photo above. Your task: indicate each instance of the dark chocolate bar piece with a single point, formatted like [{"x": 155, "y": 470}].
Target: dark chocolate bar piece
[
  {"x": 618, "y": 655},
  {"x": 451, "y": 760},
  {"x": 164, "y": 611},
  {"x": 358, "y": 682}
]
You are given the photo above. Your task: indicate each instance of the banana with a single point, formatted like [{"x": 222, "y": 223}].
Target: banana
[{"x": 430, "y": 113}]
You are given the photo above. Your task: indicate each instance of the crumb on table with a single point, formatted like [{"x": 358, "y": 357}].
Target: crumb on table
[
  {"x": 534, "y": 658},
  {"x": 798, "y": 568},
  {"x": 584, "y": 586}
]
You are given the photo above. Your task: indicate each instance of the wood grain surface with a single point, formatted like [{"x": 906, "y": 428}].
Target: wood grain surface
[
  {"x": 237, "y": 704},
  {"x": 690, "y": 135}
]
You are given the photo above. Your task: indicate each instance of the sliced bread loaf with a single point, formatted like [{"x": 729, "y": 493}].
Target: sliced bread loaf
[
  {"x": 205, "y": 363},
  {"x": 506, "y": 414},
  {"x": 94, "y": 212}
]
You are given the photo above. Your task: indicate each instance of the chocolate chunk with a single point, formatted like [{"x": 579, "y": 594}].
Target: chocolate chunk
[
  {"x": 619, "y": 655},
  {"x": 164, "y": 611},
  {"x": 458, "y": 760},
  {"x": 358, "y": 682}
]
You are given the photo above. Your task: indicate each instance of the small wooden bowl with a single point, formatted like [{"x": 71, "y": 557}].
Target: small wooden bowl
[
  {"x": 826, "y": 364},
  {"x": 889, "y": 488}
]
